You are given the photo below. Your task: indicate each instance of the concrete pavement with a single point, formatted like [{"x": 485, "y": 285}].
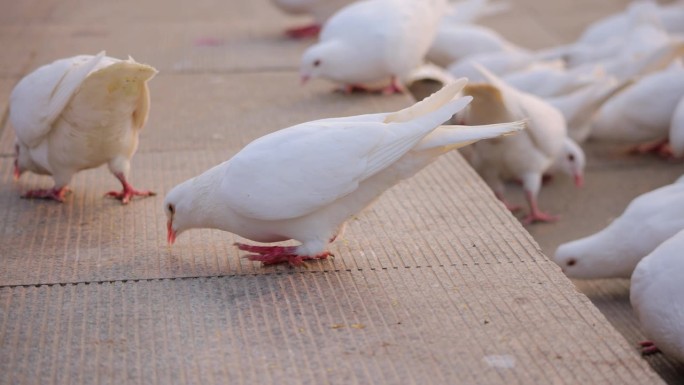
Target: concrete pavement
[{"x": 436, "y": 283}]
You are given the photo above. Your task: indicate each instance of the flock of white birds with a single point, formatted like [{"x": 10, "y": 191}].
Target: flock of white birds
[{"x": 622, "y": 80}]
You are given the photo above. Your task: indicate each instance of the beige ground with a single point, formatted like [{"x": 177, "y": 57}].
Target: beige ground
[{"x": 435, "y": 284}]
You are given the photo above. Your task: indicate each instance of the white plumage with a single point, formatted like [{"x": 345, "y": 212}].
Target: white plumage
[
  {"x": 643, "y": 111},
  {"x": 613, "y": 252},
  {"x": 373, "y": 43},
  {"x": 305, "y": 181},
  {"x": 79, "y": 113},
  {"x": 656, "y": 296},
  {"x": 524, "y": 157}
]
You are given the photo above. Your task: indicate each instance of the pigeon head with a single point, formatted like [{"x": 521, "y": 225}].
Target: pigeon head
[
  {"x": 178, "y": 207},
  {"x": 322, "y": 60},
  {"x": 190, "y": 205},
  {"x": 23, "y": 162},
  {"x": 571, "y": 161},
  {"x": 600, "y": 255}
]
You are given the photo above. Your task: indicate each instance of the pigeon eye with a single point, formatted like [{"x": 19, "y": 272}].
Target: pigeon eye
[
  {"x": 571, "y": 157},
  {"x": 571, "y": 262},
  {"x": 171, "y": 208},
  {"x": 317, "y": 63}
]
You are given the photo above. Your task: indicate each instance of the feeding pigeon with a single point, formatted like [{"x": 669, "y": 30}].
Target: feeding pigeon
[
  {"x": 642, "y": 112},
  {"x": 304, "y": 182},
  {"x": 613, "y": 252},
  {"x": 373, "y": 44},
  {"x": 656, "y": 297},
  {"x": 79, "y": 113},
  {"x": 524, "y": 157}
]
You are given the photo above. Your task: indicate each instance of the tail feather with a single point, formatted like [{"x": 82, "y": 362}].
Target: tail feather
[
  {"x": 455, "y": 136},
  {"x": 430, "y": 104},
  {"x": 69, "y": 83}
]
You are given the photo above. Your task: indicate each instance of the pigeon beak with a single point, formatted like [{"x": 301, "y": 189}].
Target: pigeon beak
[
  {"x": 579, "y": 180},
  {"x": 304, "y": 79},
  {"x": 16, "y": 173},
  {"x": 170, "y": 233}
]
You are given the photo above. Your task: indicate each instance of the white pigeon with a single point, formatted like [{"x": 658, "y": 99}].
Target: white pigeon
[
  {"x": 656, "y": 296},
  {"x": 644, "y": 37},
  {"x": 320, "y": 10},
  {"x": 523, "y": 157},
  {"x": 613, "y": 252},
  {"x": 618, "y": 25},
  {"x": 457, "y": 41},
  {"x": 581, "y": 106},
  {"x": 676, "y": 134},
  {"x": 643, "y": 111},
  {"x": 79, "y": 113},
  {"x": 549, "y": 81},
  {"x": 304, "y": 182},
  {"x": 373, "y": 43}
]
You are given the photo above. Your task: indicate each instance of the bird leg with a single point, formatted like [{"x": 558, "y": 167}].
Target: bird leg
[
  {"x": 54, "y": 193},
  {"x": 303, "y": 32},
  {"x": 392, "y": 88},
  {"x": 270, "y": 255},
  {"x": 128, "y": 191},
  {"x": 648, "y": 348},
  {"x": 535, "y": 214},
  {"x": 659, "y": 147}
]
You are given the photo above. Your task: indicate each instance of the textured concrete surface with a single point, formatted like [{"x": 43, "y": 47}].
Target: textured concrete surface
[{"x": 436, "y": 283}]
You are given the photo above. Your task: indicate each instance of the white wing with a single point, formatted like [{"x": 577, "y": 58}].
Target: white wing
[
  {"x": 311, "y": 165},
  {"x": 40, "y": 97}
]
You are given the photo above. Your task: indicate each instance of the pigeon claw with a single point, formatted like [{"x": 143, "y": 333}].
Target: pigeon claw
[
  {"x": 307, "y": 31},
  {"x": 539, "y": 216},
  {"x": 56, "y": 194},
  {"x": 271, "y": 255},
  {"x": 648, "y": 348},
  {"x": 127, "y": 193}
]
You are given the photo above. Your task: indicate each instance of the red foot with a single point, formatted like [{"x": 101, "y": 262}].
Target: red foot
[
  {"x": 306, "y": 31},
  {"x": 539, "y": 216},
  {"x": 648, "y": 348},
  {"x": 56, "y": 194},
  {"x": 270, "y": 255},
  {"x": 661, "y": 148},
  {"x": 392, "y": 88},
  {"x": 128, "y": 191}
]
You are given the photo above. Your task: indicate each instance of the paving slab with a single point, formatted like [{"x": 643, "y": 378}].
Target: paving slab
[
  {"x": 436, "y": 283},
  {"x": 379, "y": 326}
]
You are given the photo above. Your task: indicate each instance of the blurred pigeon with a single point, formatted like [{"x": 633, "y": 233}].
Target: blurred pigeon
[
  {"x": 321, "y": 10},
  {"x": 549, "y": 81},
  {"x": 79, "y": 113},
  {"x": 581, "y": 106},
  {"x": 371, "y": 43},
  {"x": 616, "y": 26},
  {"x": 643, "y": 111},
  {"x": 458, "y": 41},
  {"x": 656, "y": 296},
  {"x": 613, "y": 252},
  {"x": 499, "y": 63},
  {"x": 304, "y": 182},
  {"x": 524, "y": 157}
]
